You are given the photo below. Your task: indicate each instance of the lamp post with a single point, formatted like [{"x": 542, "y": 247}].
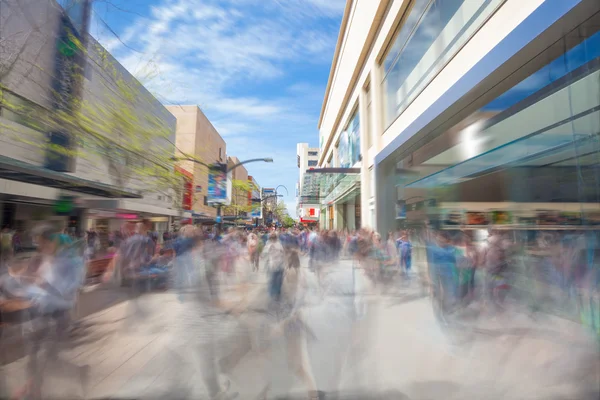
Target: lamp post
[
  {"x": 223, "y": 167},
  {"x": 262, "y": 200}
]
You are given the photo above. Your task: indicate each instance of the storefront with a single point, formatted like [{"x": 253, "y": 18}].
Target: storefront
[
  {"x": 337, "y": 191},
  {"x": 524, "y": 152}
]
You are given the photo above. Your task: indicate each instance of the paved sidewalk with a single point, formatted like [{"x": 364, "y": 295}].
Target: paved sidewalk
[{"x": 400, "y": 348}]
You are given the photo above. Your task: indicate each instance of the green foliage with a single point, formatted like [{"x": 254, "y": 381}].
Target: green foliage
[{"x": 287, "y": 221}]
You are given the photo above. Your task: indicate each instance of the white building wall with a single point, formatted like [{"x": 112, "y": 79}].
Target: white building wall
[
  {"x": 302, "y": 152},
  {"x": 345, "y": 92}
]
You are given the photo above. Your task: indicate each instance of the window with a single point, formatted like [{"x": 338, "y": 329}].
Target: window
[
  {"x": 298, "y": 160},
  {"x": 348, "y": 150},
  {"x": 220, "y": 154},
  {"x": 205, "y": 200},
  {"x": 313, "y": 153},
  {"x": 354, "y": 138},
  {"x": 430, "y": 35},
  {"x": 312, "y": 163}
]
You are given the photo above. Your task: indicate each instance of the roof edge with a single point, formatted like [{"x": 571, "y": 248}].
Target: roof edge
[{"x": 336, "y": 54}]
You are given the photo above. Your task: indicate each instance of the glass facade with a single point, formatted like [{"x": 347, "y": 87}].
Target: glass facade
[
  {"x": 524, "y": 169},
  {"x": 430, "y": 35}
]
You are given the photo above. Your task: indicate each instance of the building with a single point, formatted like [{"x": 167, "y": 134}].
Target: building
[
  {"x": 197, "y": 138},
  {"x": 474, "y": 105},
  {"x": 308, "y": 158},
  {"x": 239, "y": 207},
  {"x": 104, "y": 168}
]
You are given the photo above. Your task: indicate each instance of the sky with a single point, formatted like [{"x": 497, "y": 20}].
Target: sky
[{"x": 257, "y": 68}]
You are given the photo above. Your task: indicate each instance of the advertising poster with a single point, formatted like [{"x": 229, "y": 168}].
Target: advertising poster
[
  {"x": 501, "y": 217},
  {"x": 476, "y": 218},
  {"x": 401, "y": 210},
  {"x": 217, "y": 186},
  {"x": 256, "y": 211},
  {"x": 452, "y": 218}
]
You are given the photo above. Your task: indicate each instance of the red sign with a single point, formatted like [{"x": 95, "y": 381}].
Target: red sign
[
  {"x": 127, "y": 216},
  {"x": 187, "y": 195}
]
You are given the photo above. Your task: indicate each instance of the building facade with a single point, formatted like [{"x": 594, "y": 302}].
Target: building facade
[
  {"x": 307, "y": 210},
  {"x": 467, "y": 104},
  {"x": 45, "y": 78},
  {"x": 198, "y": 138}
]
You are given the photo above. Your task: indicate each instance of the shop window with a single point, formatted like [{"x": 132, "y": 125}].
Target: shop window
[
  {"x": 348, "y": 150},
  {"x": 430, "y": 35}
]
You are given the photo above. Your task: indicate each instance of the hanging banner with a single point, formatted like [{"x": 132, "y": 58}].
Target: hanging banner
[
  {"x": 256, "y": 211},
  {"x": 217, "y": 185}
]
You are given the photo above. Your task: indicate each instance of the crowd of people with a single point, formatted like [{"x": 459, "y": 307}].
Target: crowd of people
[{"x": 215, "y": 276}]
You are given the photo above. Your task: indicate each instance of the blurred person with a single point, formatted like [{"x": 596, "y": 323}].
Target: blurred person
[
  {"x": 496, "y": 266},
  {"x": 202, "y": 329},
  {"x": 335, "y": 246},
  {"x": 135, "y": 254},
  {"x": 274, "y": 256},
  {"x": 441, "y": 257},
  {"x": 253, "y": 250},
  {"x": 57, "y": 277},
  {"x": 381, "y": 259},
  {"x": 404, "y": 251},
  {"x": 289, "y": 310},
  {"x": 16, "y": 242},
  {"x": 6, "y": 244}
]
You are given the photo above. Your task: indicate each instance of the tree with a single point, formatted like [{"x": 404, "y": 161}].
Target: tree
[
  {"x": 239, "y": 198},
  {"x": 288, "y": 221}
]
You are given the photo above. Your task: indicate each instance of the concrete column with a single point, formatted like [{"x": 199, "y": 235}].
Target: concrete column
[
  {"x": 377, "y": 128},
  {"x": 364, "y": 167},
  {"x": 351, "y": 216},
  {"x": 338, "y": 221},
  {"x": 377, "y": 107}
]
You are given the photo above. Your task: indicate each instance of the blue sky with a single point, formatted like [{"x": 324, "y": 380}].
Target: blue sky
[{"x": 257, "y": 68}]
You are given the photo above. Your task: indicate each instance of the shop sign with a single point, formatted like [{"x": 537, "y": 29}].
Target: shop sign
[{"x": 127, "y": 216}]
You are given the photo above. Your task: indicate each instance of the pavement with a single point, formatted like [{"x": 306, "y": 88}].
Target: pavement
[{"x": 397, "y": 351}]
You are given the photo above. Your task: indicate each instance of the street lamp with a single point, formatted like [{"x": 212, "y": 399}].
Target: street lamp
[{"x": 225, "y": 169}]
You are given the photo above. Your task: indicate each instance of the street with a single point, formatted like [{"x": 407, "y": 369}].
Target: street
[{"x": 403, "y": 353}]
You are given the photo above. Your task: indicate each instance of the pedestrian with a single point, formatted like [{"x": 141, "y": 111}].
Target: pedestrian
[
  {"x": 253, "y": 250},
  {"x": 202, "y": 331},
  {"x": 57, "y": 277},
  {"x": 404, "y": 251},
  {"x": 274, "y": 256},
  {"x": 136, "y": 253}
]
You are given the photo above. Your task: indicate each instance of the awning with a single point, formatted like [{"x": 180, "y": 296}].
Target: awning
[
  {"x": 329, "y": 185},
  {"x": 555, "y": 128},
  {"x": 521, "y": 152},
  {"x": 130, "y": 206},
  {"x": 20, "y": 171}
]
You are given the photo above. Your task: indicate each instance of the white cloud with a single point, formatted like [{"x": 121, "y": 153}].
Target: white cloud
[{"x": 206, "y": 52}]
